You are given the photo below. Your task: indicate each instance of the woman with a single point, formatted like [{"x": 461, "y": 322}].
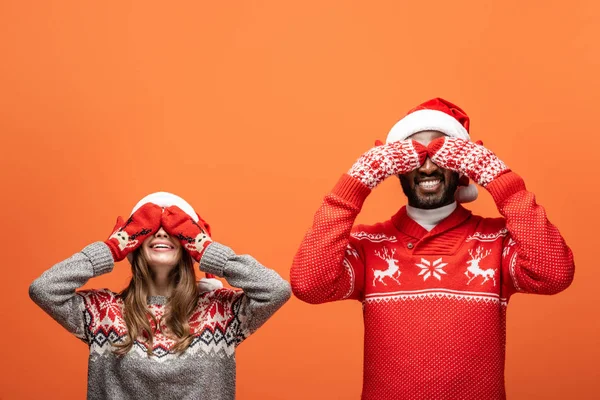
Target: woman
[{"x": 165, "y": 335}]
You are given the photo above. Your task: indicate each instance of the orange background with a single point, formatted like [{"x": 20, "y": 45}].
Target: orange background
[{"x": 251, "y": 110}]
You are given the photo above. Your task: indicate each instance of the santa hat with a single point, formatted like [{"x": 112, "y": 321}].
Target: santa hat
[
  {"x": 442, "y": 116},
  {"x": 165, "y": 199}
]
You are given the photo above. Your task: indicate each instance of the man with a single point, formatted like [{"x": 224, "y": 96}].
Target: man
[{"x": 435, "y": 280}]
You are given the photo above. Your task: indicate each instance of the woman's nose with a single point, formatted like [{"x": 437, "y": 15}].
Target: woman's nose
[{"x": 161, "y": 233}]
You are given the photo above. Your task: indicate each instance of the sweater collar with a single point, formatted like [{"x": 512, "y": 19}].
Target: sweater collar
[
  {"x": 408, "y": 226},
  {"x": 157, "y": 300},
  {"x": 428, "y": 219}
]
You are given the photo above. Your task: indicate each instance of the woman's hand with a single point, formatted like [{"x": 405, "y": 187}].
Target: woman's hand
[
  {"x": 129, "y": 235},
  {"x": 193, "y": 236}
]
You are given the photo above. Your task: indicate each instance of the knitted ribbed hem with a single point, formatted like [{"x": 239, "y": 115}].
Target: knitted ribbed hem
[
  {"x": 214, "y": 258},
  {"x": 158, "y": 300},
  {"x": 351, "y": 190},
  {"x": 100, "y": 257},
  {"x": 505, "y": 186}
]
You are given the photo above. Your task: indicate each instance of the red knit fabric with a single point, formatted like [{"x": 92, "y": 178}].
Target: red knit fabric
[
  {"x": 447, "y": 107},
  {"x": 129, "y": 235},
  {"x": 434, "y": 302},
  {"x": 193, "y": 236}
]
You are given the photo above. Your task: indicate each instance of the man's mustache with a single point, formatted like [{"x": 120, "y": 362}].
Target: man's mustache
[{"x": 423, "y": 177}]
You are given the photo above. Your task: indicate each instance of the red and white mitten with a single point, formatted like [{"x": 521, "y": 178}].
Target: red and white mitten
[
  {"x": 193, "y": 236},
  {"x": 129, "y": 235},
  {"x": 395, "y": 158},
  {"x": 467, "y": 158}
]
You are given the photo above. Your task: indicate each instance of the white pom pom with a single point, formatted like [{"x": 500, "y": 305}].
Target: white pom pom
[
  {"x": 466, "y": 194},
  {"x": 209, "y": 284}
]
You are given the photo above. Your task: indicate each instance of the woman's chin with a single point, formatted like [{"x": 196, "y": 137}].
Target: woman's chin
[{"x": 162, "y": 262}]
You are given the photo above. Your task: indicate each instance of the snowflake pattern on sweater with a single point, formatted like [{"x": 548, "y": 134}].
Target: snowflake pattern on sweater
[{"x": 215, "y": 325}]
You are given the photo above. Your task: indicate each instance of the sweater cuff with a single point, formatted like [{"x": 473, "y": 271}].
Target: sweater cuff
[
  {"x": 100, "y": 256},
  {"x": 214, "y": 258},
  {"x": 505, "y": 186},
  {"x": 352, "y": 190}
]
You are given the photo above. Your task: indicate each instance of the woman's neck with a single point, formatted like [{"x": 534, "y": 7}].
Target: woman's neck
[{"x": 161, "y": 285}]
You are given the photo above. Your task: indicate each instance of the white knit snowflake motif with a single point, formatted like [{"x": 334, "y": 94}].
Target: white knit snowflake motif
[
  {"x": 434, "y": 269},
  {"x": 471, "y": 159},
  {"x": 386, "y": 160}
]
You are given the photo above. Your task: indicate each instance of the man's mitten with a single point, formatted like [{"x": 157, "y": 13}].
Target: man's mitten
[
  {"x": 389, "y": 159},
  {"x": 467, "y": 158}
]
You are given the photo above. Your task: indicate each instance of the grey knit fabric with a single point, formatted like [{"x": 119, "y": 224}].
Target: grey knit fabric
[{"x": 221, "y": 321}]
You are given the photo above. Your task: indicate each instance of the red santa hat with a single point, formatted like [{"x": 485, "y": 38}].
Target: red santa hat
[
  {"x": 442, "y": 116},
  {"x": 165, "y": 199}
]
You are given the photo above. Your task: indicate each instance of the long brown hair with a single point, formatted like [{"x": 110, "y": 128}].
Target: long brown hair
[{"x": 179, "y": 308}]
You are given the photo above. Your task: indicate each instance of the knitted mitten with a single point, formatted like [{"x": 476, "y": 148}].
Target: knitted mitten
[
  {"x": 389, "y": 159},
  {"x": 193, "y": 236},
  {"x": 129, "y": 235},
  {"x": 467, "y": 158}
]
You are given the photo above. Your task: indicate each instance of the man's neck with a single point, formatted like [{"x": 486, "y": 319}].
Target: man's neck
[{"x": 428, "y": 219}]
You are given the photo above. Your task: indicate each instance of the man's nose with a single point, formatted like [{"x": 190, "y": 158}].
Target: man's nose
[{"x": 428, "y": 167}]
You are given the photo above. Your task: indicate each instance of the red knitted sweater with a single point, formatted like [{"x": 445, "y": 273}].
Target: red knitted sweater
[{"x": 434, "y": 302}]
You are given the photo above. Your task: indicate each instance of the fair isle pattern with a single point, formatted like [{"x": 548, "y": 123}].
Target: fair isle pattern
[
  {"x": 103, "y": 318},
  {"x": 491, "y": 237},
  {"x": 474, "y": 269},
  {"x": 393, "y": 269},
  {"x": 432, "y": 268},
  {"x": 423, "y": 330},
  {"x": 513, "y": 273},
  {"x": 220, "y": 319},
  {"x": 508, "y": 247},
  {"x": 351, "y": 251},
  {"x": 350, "y": 271},
  {"x": 375, "y": 238},
  {"x": 386, "y": 160},
  {"x": 436, "y": 293},
  {"x": 215, "y": 325},
  {"x": 471, "y": 159}
]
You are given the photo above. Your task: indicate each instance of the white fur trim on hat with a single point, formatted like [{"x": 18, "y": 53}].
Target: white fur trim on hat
[
  {"x": 165, "y": 199},
  {"x": 466, "y": 194},
  {"x": 427, "y": 120}
]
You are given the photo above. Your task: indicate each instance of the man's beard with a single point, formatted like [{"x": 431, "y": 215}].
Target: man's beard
[{"x": 434, "y": 200}]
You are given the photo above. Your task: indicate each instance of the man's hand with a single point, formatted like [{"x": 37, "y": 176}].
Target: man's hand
[
  {"x": 467, "y": 158},
  {"x": 394, "y": 158}
]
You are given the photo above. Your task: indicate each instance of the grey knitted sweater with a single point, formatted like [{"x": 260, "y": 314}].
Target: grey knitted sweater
[{"x": 222, "y": 320}]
